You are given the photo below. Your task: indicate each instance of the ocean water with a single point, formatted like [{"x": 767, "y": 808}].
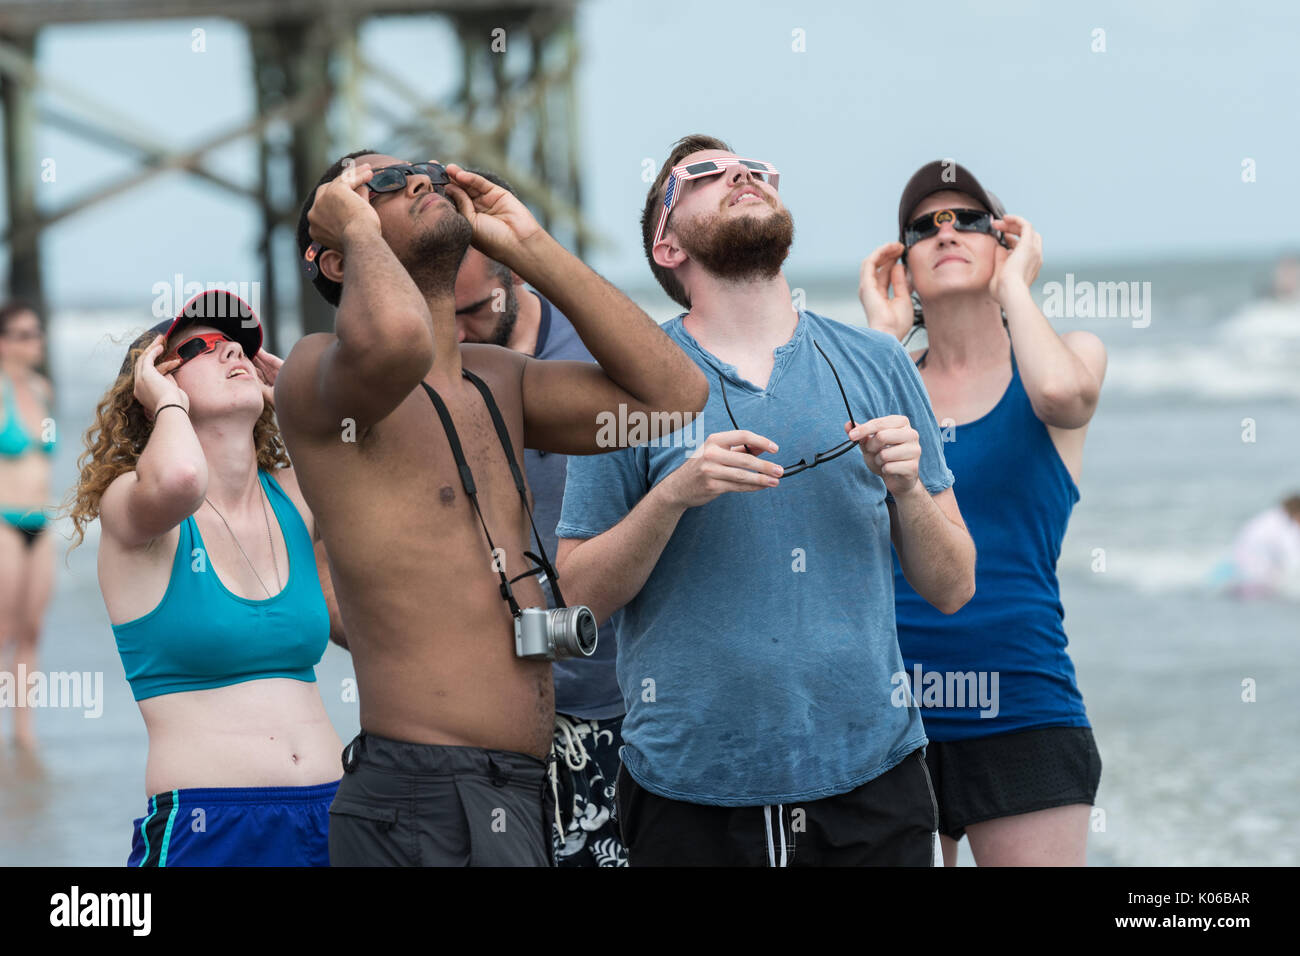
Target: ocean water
[{"x": 1191, "y": 693}]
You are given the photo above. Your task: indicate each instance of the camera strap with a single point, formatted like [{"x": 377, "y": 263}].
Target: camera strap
[{"x": 542, "y": 563}]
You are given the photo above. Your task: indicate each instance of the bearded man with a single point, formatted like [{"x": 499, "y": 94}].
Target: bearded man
[{"x": 749, "y": 579}]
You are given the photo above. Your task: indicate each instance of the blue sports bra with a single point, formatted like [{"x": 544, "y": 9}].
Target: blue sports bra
[
  {"x": 202, "y": 636},
  {"x": 14, "y": 440}
]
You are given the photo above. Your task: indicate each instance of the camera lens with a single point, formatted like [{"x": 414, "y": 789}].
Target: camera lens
[{"x": 573, "y": 632}]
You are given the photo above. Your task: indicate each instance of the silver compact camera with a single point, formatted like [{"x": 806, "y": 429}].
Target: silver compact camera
[{"x": 554, "y": 634}]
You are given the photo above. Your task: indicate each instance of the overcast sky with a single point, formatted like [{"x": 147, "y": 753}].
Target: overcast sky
[{"x": 1134, "y": 151}]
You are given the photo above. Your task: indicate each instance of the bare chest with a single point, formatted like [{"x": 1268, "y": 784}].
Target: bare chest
[{"x": 398, "y": 495}]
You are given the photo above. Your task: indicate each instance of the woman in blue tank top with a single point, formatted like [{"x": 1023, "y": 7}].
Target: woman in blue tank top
[
  {"x": 26, "y": 455},
  {"x": 1011, "y": 751},
  {"x": 208, "y": 569}
]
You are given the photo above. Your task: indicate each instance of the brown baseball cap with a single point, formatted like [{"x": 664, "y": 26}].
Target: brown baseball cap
[{"x": 936, "y": 177}]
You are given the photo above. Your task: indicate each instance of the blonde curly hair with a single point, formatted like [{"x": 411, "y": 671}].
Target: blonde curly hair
[{"x": 119, "y": 433}]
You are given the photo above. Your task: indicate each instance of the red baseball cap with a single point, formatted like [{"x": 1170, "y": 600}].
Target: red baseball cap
[{"x": 225, "y": 312}]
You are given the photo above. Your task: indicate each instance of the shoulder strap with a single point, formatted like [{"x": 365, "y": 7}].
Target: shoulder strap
[
  {"x": 504, "y": 435},
  {"x": 286, "y": 509},
  {"x": 467, "y": 481},
  {"x": 502, "y": 432},
  {"x": 466, "y": 476}
]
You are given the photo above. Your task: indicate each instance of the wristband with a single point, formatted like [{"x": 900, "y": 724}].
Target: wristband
[{"x": 170, "y": 405}]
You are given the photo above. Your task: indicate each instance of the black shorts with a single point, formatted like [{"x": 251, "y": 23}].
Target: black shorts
[
  {"x": 405, "y": 804},
  {"x": 888, "y": 821},
  {"x": 1001, "y": 776}
]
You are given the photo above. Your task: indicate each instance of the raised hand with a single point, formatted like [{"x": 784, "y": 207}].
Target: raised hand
[
  {"x": 881, "y": 270},
  {"x": 341, "y": 204},
  {"x": 501, "y": 223},
  {"x": 155, "y": 386},
  {"x": 1019, "y": 265},
  {"x": 268, "y": 367}
]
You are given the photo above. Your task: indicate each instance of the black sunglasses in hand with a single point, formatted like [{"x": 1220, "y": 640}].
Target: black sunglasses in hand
[{"x": 822, "y": 456}]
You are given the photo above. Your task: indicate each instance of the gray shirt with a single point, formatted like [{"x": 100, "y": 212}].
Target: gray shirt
[{"x": 584, "y": 687}]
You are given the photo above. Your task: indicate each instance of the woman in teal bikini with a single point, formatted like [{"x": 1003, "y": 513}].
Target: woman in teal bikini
[
  {"x": 26, "y": 450},
  {"x": 209, "y": 572}
]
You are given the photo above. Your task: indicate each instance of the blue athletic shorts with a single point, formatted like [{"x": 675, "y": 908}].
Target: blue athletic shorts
[{"x": 255, "y": 826}]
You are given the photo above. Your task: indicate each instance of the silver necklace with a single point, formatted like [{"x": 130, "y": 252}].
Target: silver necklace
[{"x": 269, "y": 540}]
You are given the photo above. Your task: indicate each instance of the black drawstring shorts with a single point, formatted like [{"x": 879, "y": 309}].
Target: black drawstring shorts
[{"x": 891, "y": 820}]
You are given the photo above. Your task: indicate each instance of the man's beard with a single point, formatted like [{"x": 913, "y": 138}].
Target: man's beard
[
  {"x": 505, "y": 326},
  {"x": 741, "y": 248},
  {"x": 433, "y": 258}
]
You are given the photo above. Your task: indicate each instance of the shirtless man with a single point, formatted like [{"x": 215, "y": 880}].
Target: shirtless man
[{"x": 448, "y": 712}]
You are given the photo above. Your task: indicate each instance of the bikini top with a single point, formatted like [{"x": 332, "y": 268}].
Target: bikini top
[
  {"x": 202, "y": 636},
  {"x": 14, "y": 439}
]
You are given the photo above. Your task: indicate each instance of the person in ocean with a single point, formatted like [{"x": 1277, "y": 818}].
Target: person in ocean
[
  {"x": 209, "y": 573},
  {"x": 1265, "y": 560}
]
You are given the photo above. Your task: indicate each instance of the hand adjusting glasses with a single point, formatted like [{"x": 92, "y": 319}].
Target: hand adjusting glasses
[
  {"x": 386, "y": 179},
  {"x": 708, "y": 167},
  {"x": 822, "y": 456}
]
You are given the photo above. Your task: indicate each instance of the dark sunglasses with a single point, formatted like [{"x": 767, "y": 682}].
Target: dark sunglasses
[
  {"x": 386, "y": 179},
  {"x": 822, "y": 456},
  {"x": 963, "y": 220},
  {"x": 197, "y": 345}
]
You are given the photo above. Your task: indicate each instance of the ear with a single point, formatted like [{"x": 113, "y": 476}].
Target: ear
[
  {"x": 330, "y": 263},
  {"x": 667, "y": 253}
]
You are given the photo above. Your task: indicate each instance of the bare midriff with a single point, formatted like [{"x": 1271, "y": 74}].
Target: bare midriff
[
  {"x": 25, "y": 480},
  {"x": 262, "y": 733}
]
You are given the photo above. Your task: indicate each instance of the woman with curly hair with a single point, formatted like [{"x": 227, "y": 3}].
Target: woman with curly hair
[
  {"x": 209, "y": 573},
  {"x": 26, "y": 454}
]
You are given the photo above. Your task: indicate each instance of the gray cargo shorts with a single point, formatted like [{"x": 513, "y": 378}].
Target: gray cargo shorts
[{"x": 405, "y": 804}]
